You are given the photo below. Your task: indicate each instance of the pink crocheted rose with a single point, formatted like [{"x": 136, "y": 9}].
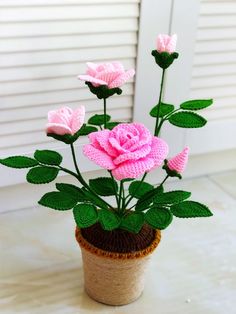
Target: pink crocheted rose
[
  {"x": 111, "y": 74},
  {"x": 129, "y": 150},
  {"x": 166, "y": 43},
  {"x": 179, "y": 162},
  {"x": 65, "y": 120}
]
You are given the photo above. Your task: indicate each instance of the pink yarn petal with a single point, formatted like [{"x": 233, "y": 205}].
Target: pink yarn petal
[
  {"x": 133, "y": 169},
  {"x": 60, "y": 129},
  {"x": 77, "y": 119},
  {"x": 138, "y": 154},
  {"x": 91, "y": 79},
  {"x": 159, "y": 151},
  {"x": 102, "y": 137},
  {"x": 91, "y": 68},
  {"x": 99, "y": 157},
  {"x": 60, "y": 116},
  {"x": 108, "y": 76},
  {"x": 171, "y": 46},
  {"x": 118, "y": 66},
  {"x": 179, "y": 162},
  {"x": 122, "y": 78},
  {"x": 166, "y": 43}
]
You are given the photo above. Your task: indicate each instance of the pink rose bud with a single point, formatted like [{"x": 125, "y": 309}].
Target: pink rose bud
[
  {"x": 166, "y": 43},
  {"x": 111, "y": 74},
  {"x": 65, "y": 120},
  {"x": 179, "y": 162},
  {"x": 129, "y": 150}
]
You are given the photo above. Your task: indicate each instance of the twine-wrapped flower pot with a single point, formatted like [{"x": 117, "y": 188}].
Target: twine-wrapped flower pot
[{"x": 115, "y": 278}]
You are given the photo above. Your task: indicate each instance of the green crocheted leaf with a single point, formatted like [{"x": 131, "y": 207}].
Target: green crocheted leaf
[
  {"x": 133, "y": 222},
  {"x": 58, "y": 200},
  {"x": 72, "y": 190},
  {"x": 87, "y": 129},
  {"x": 40, "y": 175},
  {"x": 196, "y": 104},
  {"x": 103, "y": 91},
  {"x": 111, "y": 125},
  {"x": 190, "y": 209},
  {"x": 145, "y": 201},
  {"x": 172, "y": 197},
  {"x": 164, "y": 110},
  {"x": 108, "y": 220},
  {"x": 85, "y": 215},
  {"x": 104, "y": 186},
  {"x": 158, "y": 218},
  {"x": 98, "y": 119},
  {"x": 137, "y": 188},
  {"x": 48, "y": 157},
  {"x": 19, "y": 162},
  {"x": 187, "y": 119},
  {"x": 88, "y": 196}
]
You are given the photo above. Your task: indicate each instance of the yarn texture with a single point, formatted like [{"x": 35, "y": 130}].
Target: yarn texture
[
  {"x": 179, "y": 162},
  {"x": 128, "y": 150},
  {"x": 111, "y": 74}
]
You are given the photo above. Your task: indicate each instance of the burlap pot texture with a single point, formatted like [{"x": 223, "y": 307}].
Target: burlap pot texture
[{"x": 114, "y": 278}]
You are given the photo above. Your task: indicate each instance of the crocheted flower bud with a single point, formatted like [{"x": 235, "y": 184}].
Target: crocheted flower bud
[
  {"x": 164, "y": 53},
  {"x": 65, "y": 121},
  {"x": 179, "y": 162},
  {"x": 166, "y": 43}
]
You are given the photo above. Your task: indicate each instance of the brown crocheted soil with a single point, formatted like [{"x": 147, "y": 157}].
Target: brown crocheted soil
[{"x": 120, "y": 241}]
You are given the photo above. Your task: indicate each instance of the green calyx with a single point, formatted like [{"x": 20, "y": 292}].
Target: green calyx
[
  {"x": 102, "y": 91},
  {"x": 70, "y": 139},
  {"x": 171, "y": 173},
  {"x": 164, "y": 59}
]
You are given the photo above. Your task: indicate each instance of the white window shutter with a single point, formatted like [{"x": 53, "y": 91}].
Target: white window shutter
[
  {"x": 44, "y": 45},
  {"x": 214, "y": 76}
]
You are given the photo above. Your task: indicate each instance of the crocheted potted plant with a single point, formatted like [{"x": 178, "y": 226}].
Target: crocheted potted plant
[{"x": 117, "y": 236}]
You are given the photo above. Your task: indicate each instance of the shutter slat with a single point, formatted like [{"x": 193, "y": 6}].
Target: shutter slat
[
  {"x": 28, "y": 30},
  {"x": 92, "y": 105},
  {"x": 225, "y": 7},
  {"x": 212, "y": 70},
  {"x": 56, "y": 13},
  {"x": 67, "y": 42},
  {"x": 216, "y": 21},
  {"x": 216, "y": 81},
  {"x": 67, "y": 95},
  {"x": 216, "y": 33},
  {"x": 26, "y": 3},
  {"x": 215, "y": 58}
]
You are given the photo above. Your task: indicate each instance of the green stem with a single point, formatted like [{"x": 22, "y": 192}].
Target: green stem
[
  {"x": 120, "y": 195},
  {"x": 153, "y": 190},
  {"x": 167, "y": 176},
  {"x": 136, "y": 190},
  {"x": 165, "y": 119},
  {"x": 81, "y": 179},
  {"x": 114, "y": 187},
  {"x": 105, "y": 112},
  {"x": 159, "y": 102}
]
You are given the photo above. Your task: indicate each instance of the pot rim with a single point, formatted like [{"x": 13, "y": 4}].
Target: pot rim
[{"x": 114, "y": 255}]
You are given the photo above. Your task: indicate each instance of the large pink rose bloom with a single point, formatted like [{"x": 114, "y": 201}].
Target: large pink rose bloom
[
  {"x": 129, "y": 150},
  {"x": 111, "y": 74},
  {"x": 65, "y": 120}
]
